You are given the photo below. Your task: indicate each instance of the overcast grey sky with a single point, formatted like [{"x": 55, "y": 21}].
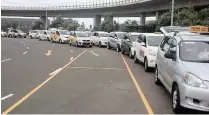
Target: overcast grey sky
[{"x": 87, "y": 21}]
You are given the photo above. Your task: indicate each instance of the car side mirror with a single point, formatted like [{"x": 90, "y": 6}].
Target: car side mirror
[
  {"x": 143, "y": 44},
  {"x": 170, "y": 56}
]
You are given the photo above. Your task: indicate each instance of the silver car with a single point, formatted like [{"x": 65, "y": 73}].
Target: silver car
[
  {"x": 114, "y": 40},
  {"x": 183, "y": 68}
]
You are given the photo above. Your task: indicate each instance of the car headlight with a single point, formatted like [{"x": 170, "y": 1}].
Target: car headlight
[
  {"x": 194, "y": 81},
  {"x": 152, "y": 53}
]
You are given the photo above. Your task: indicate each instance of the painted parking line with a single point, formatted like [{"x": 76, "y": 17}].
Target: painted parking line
[
  {"x": 96, "y": 68},
  {"x": 25, "y": 52},
  {"x": 148, "y": 107},
  {"x": 94, "y": 53},
  {"x": 7, "y": 96},
  {"x": 39, "y": 86},
  {"x": 5, "y": 60}
]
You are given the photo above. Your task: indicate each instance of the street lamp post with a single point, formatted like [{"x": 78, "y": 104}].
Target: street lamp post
[{"x": 172, "y": 12}]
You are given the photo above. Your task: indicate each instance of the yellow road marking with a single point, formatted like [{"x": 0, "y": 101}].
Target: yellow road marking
[
  {"x": 149, "y": 109},
  {"x": 49, "y": 53},
  {"x": 96, "y": 68},
  {"x": 39, "y": 86}
]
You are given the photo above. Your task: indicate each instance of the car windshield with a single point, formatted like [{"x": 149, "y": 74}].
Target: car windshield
[
  {"x": 194, "y": 51},
  {"x": 82, "y": 34},
  {"x": 120, "y": 35},
  {"x": 175, "y": 29},
  {"x": 134, "y": 37},
  {"x": 154, "y": 40},
  {"x": 64, "y": 32},
  {"x": 103, "y": 34}
]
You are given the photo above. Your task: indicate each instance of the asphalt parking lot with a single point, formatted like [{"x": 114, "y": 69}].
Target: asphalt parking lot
[{"x": 39, "y": 77}]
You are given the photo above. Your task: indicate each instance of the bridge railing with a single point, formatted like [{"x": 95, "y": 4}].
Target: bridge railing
[{"x": 77, "y": 5}]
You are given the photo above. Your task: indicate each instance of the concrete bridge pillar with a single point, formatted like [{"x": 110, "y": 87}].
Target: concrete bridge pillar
[
  {"x": 143, "y": 18},
  {"x": 45, "y": 22},
  {"x": 97, "y": 20}
]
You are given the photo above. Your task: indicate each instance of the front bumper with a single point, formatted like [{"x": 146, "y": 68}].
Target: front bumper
[
  {"x": 103, "y": 43},
  {"x": 151, "y": 61},
  {"x": 82, "y": 43},
  {"x": 194, "y": 98}
]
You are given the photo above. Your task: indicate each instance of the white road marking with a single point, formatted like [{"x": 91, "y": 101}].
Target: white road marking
[
  {"x": 24, "y": 44},
  {"x": 56, "y": 71},
  {"x": 71, "y": 58},
  {"x": 25, "y": 52},
  {"x": 28, "y": 48},
  {"x": 21, "y": 42},
  {"x": 94, "y": 53},
  {"x": 62, "y": 47},
  {"x": 5, "y": 60},
  {"x": 71, "y": 51},
  {"x": 5, "y": 97}
]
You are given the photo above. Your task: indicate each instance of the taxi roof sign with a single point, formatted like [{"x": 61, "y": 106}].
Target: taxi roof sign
[{"x": 198, "y": 29}]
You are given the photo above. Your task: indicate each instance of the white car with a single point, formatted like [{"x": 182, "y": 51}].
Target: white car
[
  {"x": 22, "y": 34},
  {"x": 79, "y": 38},
  {"x": 13, "y": 33},
  {"x": 61, "y": 36},
  {"x": 145, "y": 49},
  {"x": 114, "y": 40},
  {"x": 44, "y": 35},
  {"x": 3, "y": 34},
  {"x": 100, "y": 38},
  {"x": 33, "y": 33}
]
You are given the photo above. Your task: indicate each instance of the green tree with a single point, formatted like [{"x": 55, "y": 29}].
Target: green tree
[
  {"x": 57, "y": 22},
  {"x": 107, "y": 25},
  {"x": 14, "y": 24},
  {"x": 204, "y": 16},
  {"x": 70, "y": 24}
]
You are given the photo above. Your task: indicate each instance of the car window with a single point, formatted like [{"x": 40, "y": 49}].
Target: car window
[
  {"x": 173, "y": 47},
  {"x": 166, "y": 43}
]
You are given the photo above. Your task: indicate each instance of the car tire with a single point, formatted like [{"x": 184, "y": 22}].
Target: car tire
[
  {"x": 31, "y": 37},
  {"x": 39, "y": 38},
  {"x": 146, "y": 67},
  {"x": 157, "y": 80},
  {"x": 69, "y": 43},
  {"x": 76, "y": 44},
  {"x": 48, "y": 39},
  {"x": 118, "y": 48},
  {"x": 108, "y": 46},
  {"x": 52, "y": 40},
  {"x": 130, "y": 54},
  {"x": 177, "y": 108},
  {"x": 25, "y": 37},
  {"x": 100, "y": 45},
  {"x": 60, "y": 41},
  {"x": 20, "y": 36},
  {"x": 135, "y": 59},
  {"x": 90, "y": 46},
  {"x": 122, "y": 51}
]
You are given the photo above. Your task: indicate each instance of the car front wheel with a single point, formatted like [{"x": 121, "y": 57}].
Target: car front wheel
[
  {"x": 130, "y": 54},
  {"x": 157, "y": 80},
  {"x": 118, "y": 48},
  {"x": 135, "y": 59},
  {"x": 146, "y": 67},
  {"x": 108, "y": 46},
  {"x": 176, "y": 100}
]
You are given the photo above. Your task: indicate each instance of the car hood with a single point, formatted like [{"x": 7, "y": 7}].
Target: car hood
[
  {"x": 104, "y": 38},
  {"x": 66, "y": 36},
  {"x": 153, "y": 49},
  {"x": 83, "y": 38},
  {"x": 199, "y": 69}
]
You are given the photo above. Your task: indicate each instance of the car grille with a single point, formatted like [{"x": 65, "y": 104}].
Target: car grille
[{"x": 86, "y": 40}]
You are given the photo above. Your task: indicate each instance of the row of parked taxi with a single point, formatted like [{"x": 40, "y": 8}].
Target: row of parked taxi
[{"x": 179, "y": 56}]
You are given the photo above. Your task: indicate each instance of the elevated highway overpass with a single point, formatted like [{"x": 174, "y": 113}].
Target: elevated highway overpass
[{"x": 120, "y": 8}]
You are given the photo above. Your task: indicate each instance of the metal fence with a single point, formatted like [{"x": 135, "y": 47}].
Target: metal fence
[{"x": 76, "y": 5}]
